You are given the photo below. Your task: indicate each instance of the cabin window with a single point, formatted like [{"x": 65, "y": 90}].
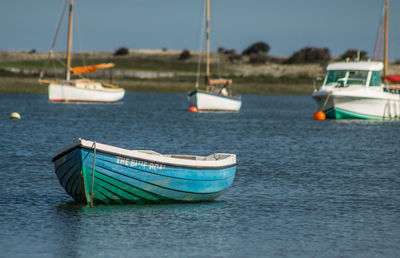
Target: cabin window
[
  {"x": 357, "y": 78},
  {"x": 334, "y": 75},
  {"x": 375, "y": 79}
]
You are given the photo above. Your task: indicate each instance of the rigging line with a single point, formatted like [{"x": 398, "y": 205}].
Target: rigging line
[
  {"x": 381, "y": 44},
  {"x": 201, "y": 44},
  {"x": 54, "y": 39},
  {"x": 214, "y": 36},
  {"x": 78, "y": 33},
  {"x": 60, "y": 61},
  {"x": 53, "y": 62},
  {"x": 55, "y": 66},
  {"x": 378, "y": 41},
  {"x": 380, "y": 28}
]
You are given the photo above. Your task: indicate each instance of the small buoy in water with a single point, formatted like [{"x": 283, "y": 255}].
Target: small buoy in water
[
  {"x": 319, "y": 115},
  {"x": 15, "y": 115},
  {"x": 193, "y": 109}
]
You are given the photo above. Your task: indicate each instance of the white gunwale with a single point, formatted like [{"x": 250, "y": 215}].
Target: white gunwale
[{"x": 216, "y": 160}]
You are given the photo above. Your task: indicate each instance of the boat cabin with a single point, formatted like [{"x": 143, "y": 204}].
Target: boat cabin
[
  {"x": 346, "y": 74},
  {"x": 221, "y": 86}
]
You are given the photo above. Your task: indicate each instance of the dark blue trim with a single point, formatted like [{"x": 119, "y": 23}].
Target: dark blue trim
[
  {"x": 215, "y": 94},
  {"x": 390, "y": 90}
]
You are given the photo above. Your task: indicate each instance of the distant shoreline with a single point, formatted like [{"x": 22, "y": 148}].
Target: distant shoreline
[{"x": 162, "y": 71}]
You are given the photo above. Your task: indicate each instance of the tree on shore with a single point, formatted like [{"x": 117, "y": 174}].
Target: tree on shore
[
  {"x": 230, "y": 54},
  {"x": 353, "y": 54},
  {"x": 257, "y": 52},
  {"x": 310, "y": 55},
  {"x": 185, "y": 54},
  {"x": 122, "y": 51},
  {"x": 257, "y": 48}
]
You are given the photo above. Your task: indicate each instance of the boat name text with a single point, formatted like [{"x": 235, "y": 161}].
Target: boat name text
[{"x": 140, "y": 163}]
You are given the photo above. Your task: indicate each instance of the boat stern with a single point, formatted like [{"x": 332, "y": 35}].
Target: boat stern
[{"x": 68, "y": 168}]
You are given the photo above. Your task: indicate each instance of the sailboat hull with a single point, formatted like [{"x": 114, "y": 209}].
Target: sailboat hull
[
  {"x": 213, "y": 102},
  {"x": 59, "y": 92},
  {"x": 64, "y": 92},
  {"x": 359, "y": 104}
]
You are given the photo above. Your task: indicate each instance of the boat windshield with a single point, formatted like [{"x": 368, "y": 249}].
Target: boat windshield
[
  {"x": 375, "y": 79},
  {"x": 335, "y": 75},
  {"x": 346, "y": 78}
]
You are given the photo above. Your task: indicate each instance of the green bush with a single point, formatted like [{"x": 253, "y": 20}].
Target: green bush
[
  {"x": 185, "y": 54},
  {"x": 122, "y": 51},
  {"x": 353, "y": 53},
  {"x": 257, "y": 48},
  {"x": 310, "y": 55}
]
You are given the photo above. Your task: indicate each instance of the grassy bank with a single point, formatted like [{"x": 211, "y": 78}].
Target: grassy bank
[
  {"x": 248, "y": 79},
  {"x": 21, "y": 85},
  {"x": 168, "y": 85}
]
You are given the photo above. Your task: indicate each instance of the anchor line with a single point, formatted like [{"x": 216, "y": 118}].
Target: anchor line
[
  {"x": 326, "y": 101},
  {"x": 94, "y": 165}
]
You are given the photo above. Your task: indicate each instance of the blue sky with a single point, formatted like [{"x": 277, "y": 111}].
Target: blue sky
[{"x": 286, "y": 25}]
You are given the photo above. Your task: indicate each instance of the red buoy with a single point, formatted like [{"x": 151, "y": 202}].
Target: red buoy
[
  {"x": 319, "y": 115},
  {"x": 193, "y": 109}
]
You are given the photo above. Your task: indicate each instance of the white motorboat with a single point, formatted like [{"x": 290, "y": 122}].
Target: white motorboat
[{"x": 355, "y": 89}]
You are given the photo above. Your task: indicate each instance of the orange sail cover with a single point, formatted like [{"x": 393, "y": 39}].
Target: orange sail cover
[
  {"x": 220, "y": 82},
  {"x": 393, "y": 78},
  {"x": 90, "y": 68}
]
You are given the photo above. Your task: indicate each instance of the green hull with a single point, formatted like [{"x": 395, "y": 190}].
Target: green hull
[
  {"x": 108, "y": 190},
  {"x": 338, "y": 113}
]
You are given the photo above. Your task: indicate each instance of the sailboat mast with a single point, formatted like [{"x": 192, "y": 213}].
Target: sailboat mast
[
  {"x": 69, "y": 42},
  {"x": 386, "y": 36},
  {"x": 208, "y": 39}
]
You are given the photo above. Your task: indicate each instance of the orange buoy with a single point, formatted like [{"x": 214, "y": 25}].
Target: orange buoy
[
  {"x": 193, "y": 109},
  {"x": 319, "y": 115}
]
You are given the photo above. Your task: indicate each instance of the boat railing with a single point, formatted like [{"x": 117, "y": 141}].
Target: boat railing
[
  {"x": 317, "y": 79},
  {"x": 150, "y": 152},
  {"x": 217, "y": 156},
  {"x": 184, "y": 157},
  {"x": 66, "y": 82}
]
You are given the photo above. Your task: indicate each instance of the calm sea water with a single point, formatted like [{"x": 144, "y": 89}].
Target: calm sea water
[{"x": 303, "y": 187}]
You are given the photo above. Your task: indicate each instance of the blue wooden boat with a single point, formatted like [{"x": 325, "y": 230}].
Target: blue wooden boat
[{"x": 94, "y": 173}]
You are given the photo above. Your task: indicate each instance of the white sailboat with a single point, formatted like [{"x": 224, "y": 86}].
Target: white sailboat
[
  {"x": 82, "y": 89},
  {"x": 355, "y": 90},
  {"x": 217, "y": 97}
]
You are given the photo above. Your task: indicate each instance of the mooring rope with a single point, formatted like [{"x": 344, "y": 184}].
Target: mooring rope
[
  {"x": 326, "y": 101},
  {"x": 94, "y": 165}
]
